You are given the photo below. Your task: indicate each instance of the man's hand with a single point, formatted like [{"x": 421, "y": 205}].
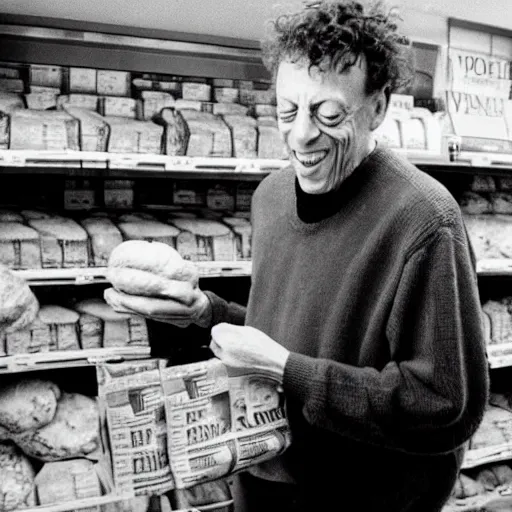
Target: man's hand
[
  {"x": 193, "y": 307},
  {"x": 247, "y": 347}
]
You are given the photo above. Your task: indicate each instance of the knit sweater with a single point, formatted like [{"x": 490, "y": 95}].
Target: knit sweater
[{"x": 378, "y": 304}]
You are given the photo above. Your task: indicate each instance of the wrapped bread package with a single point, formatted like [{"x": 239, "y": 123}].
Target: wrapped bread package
[
  {"x": 94, "y": 130},
  {"x": 270, "y": 143},
  {"x": 35, "y": 214},
  {"x": 44, "y": 130},
  {"x": 192, "y": 133},
  {"x": 195, "y": 91},
  {"x": 113, "y": 83},
  {"x": 19, "y": 246},
  {"x": 11, "y": 85},
  {"x": 117, "y": 329},
  {"x": 244, "y": 134},
  {"x": 226, "y": 94},
  {"x": 153, "y": 102},
  {"x": 17, "y": 484},
  {"x": 73, "y": 432},
  {"x": 8, "y": 103},
  {"x": 32, "y": 339},
  {"x": 262, "y": 110},
  {"x": 132, "y": 136},
  {"x": 43, "y": 100},
  {"x": 63, "y": 243},
  {"x": 151, "y": 231},
  {"x": 62, "y": 325},
  {"x": 117, "y": 106},
  {"x": 242, "y": 231},
  {"x": 86, "y": 101},
  {"x": 204, "y": 240},
  {"x": 67, "y": 480},
  {"x": 103, "y": 237},
  {"x": 500, "y": 321},
  {"x": 481, "y": 183},
  {"x": 136, "y": 217},
  {"x": 234, "y": 109}
]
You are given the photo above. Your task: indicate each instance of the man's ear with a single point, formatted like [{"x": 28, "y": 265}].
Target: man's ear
[{"x": 380, "y": 107}]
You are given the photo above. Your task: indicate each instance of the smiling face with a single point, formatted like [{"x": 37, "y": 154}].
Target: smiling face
[{"x": 326, "y": 120}]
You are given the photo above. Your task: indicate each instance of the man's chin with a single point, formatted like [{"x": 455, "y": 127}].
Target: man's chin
[{"x": 312, "y": 187}]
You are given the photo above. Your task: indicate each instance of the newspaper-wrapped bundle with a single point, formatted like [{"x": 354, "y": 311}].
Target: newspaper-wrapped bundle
[
  {"x": 132, "y": 400},
  {"x": 213, "y": 421}
]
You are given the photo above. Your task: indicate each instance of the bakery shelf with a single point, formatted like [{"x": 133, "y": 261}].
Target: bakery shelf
[
  {"x": 96, "y": 275},
  {"x": 128, "y": 165},
  {"x": 70, "y": 358}
]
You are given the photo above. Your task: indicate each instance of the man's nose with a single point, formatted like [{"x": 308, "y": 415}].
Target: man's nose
[{"x": 304, "y": 130}]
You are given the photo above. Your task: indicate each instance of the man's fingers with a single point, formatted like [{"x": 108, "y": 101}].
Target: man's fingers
[{"x": 147, "y": 306}]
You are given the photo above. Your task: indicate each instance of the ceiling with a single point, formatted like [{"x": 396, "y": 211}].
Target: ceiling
[{"x": 246, "y": 19}]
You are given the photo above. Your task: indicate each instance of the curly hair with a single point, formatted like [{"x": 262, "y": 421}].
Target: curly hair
[{"x": 333, "y": 35}]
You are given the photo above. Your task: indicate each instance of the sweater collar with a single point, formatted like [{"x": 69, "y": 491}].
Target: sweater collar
[{"x": 313, "y": 208}]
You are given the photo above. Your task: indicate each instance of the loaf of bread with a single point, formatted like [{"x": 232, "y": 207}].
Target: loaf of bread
[
  {"x": 466, "y": 487},
  {"x": 19, "y": 246},
  {"x": 90, "y": 330},
  {"x": 226, "y": 94},
  {"x": 500, "y": 320},
  {"x": 18, "y": 305},
  {"x": 133, "y": 136},
  {"x": 208, "y": 135},
  {"x": 81, "y": 101},
  {"x": 27, "y": 404},
  {"x": 17, "y": 489},
  {"x": 118, "y": 329},
  {"x": 481, "y": 183},
  {"x": 94, "y": 131},
  {"x": 495, "y": 429},
  {"x": 176, "y": 131},
  {"x": 234, "y": 109},
  {"x": 490, "y": 235},
  {"x": 67, "y": 480},
  {"x": 44, "y": 130},
  {"x": 9, "y": 101},
  {"x": 43, "y": 100},
  {"x": 262, "y": 110},
  {"x": 195, "y": 91},
  {"x": 73, "y": 432},
  {"x": 10, "y": 216},
  {"x": 145, "y": 268},
  {"x": 63, "y": 327},
  {"x": 501, "y": 202},
  {"x": 103, "y": 237},
  {"x": 204, "y": 240},
  {"x": 35, "y": 214},
  {"x": 244, "y": 134},
  {"x": 181, "y": 104},
  {"x": 151, "y": 231},
  {"x": 136, "y": 217},
  {"x": 242, "y": 232},
  {"x": 473, "y": 203},
  {"x": 63, "y": 243},
  {"x": 34, "y": 338}
]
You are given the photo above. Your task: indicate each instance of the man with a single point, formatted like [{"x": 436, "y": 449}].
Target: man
[{"x": 364, "y": 300}]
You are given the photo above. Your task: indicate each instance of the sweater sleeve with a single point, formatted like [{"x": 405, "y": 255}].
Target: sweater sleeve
[
  {"x": 224, "y": 311},
  {"x": 430, "y": 397}
]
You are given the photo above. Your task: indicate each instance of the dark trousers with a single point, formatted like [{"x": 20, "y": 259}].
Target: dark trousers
[{"x": 265, "y": 496}]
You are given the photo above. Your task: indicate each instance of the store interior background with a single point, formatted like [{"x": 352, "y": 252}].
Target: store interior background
[{"x": 424, "y": 20}]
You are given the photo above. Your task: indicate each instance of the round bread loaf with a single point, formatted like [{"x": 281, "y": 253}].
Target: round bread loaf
[
  {"x": 150, "y": 269},
  {"x": 16, "y": 479}
]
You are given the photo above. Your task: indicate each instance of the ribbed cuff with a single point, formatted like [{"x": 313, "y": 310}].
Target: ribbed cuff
[
  {"x": 219, "y": 308},
  {"x": 299, "y": 373}
]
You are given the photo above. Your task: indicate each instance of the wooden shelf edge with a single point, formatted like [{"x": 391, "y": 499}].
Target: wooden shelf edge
[{"x": 70, "y": 359}]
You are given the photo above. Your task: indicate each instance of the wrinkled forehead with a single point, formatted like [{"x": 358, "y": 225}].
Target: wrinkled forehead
[{"x": 297, "y": 78}]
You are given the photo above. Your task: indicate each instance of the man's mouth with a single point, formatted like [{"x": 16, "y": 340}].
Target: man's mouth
[{"x": 310, "y": 159}]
